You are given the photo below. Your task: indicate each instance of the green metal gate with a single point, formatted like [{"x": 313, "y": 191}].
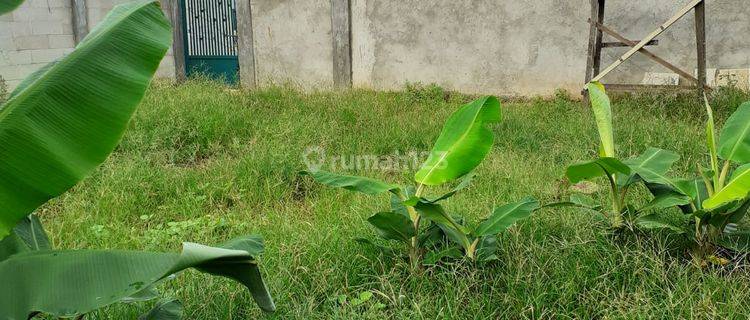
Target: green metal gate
[{"x": 210, "y": 37}]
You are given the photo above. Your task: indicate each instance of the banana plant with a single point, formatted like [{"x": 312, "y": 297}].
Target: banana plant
[
  {"x": 716, "y": 201},
  {"x": 56, "y": 127},
  {"x": 621, "y": 175},
  {"x": 419, "y": 221},
  {"x": 9, "y": 5}
]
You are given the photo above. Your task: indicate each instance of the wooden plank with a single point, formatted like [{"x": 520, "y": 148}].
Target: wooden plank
[
  {"x": 647, "y": 53},
  {"x": 178, "y": 40},
  {"x": 645, "y": 87},
  {"x": 245, "y": 47},
  {"x": 700, "y": 37},
  {"x": 620, "y": 44},
  {"x": 341, "y": 34},
  {"x": 650, "y": 37},
  {"x": 80, "y": 19}
]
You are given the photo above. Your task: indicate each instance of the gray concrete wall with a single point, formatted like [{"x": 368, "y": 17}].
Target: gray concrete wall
[
  {"x": 292, "y": 42},
  {"x": 526, "y": 47},
  {"x": 38, "y": 32},
  {"x": 41, "y": 31},
  {"x": 508, "y": 47}
]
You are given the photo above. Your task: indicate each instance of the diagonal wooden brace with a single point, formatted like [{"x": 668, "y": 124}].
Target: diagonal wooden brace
[
  {"x": 648, "y": 53},
  {"x": 647, "y": 39}
]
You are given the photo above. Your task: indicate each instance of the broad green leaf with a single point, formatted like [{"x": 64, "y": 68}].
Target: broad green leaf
[
  {"x": 164, "y": 310},
  {"x": 448, "y": 224},
  {"x": 656, "y": 221},
  {"x": 737, "y": 189},
  {"x": 505, "y": 216},
  {"x": 10, "y": 245},
  {"x": 353, "y": 183},
  {"x": 68, "y": 283},
  {"x": 666, "y": 200},
  {"x": 653, "y": 165},
  {"x": 393, "y": 226},
  {"x": 32, "y": 233},
  {"x": 595, "y": 168},
  {"x": 487, "y": 249},
  {"x": 721, "y": 218},
  {"x": 433, "y": 257},
  {"x": 59, "y": 127},
  {"x": 734, "y": 142},
  {"x": 739, "y": 171},
  {"x": 737, "y": 241},
  {"x": 7, "y": 6},
  {"x": 27, "y": 235},
  {"x": 602, "y": 109},
  {"x": 465, "y": 182},
  {"x": 463, "y": 143},
  {"x": 711, "y": 142},
  {"x": 435, "y": 213}
]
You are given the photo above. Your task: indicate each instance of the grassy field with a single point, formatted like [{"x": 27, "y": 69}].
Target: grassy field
[{"x": 203, "y": 163}]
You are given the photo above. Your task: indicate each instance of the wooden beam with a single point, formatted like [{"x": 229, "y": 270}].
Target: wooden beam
[
  {"x": 178, "y": 44},
  {"x": 641, "y": 87},
  {"x": 594, "y": 52},
  {"x": 647, "y": 53},
  {"x": 245, "y": 45},
  {"x": 341, "y": 34},
  {"x": 617, "y": 44},
  {"x": 650, "y": 37},
  {"x": 80, "y": 19},
  {"x": 700, "y": 37}
]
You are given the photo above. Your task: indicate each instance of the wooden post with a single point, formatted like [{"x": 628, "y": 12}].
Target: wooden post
[
  {"x": 595, "y": 40},
  {"x": 174, "y": 10},
  {"x": 245, "y": 44},
  {"x": 647, "y": 39},
  {"x": 700, "y": 37},
  {"x": 342, "y": 53},
  {"x": 80, "y": 19}
]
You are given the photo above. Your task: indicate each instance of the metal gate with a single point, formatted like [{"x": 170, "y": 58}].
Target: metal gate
[{"x": 210, "y": 37}]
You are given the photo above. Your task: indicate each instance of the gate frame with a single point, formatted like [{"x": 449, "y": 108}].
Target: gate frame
[{"x": 179, "y": 15}]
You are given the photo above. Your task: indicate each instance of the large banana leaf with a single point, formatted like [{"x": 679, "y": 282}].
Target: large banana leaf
[
  {"x": 64, "y": 120},
  {"x": 505, "y": 216},
  {"x": 734, "y": 142},
  {"x": 737, "y": 189},
  {"x": 463, "y": 143},
  {"x": 596, "y": 168},
  {"x": 653, "y": 165},
  {"x": 393, "y": 226},
  {"x": 353, "y": 183},
  {"x": 164, "y": 310},
  {"x": 68, "y": 283},
  {"x": 602, "y": 109},
  {"x": 9, "y": 5},
  {"x": 28, "y": 235}
]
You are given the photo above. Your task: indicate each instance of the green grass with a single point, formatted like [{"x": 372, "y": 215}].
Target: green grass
[{"x": 202, "y": 163}]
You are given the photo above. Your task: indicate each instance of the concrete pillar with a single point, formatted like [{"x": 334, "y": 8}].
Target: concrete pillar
[{"x": 246, "y": 53}]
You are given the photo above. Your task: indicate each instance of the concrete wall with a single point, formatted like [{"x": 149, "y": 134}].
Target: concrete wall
[
  {"x": 41, "y": 31},
  {"x": 508, "y": 47},
  {"x": 98, "y": 9},
  {"x": 292, "y": 42},
  {"x": 526, "y": 47}
]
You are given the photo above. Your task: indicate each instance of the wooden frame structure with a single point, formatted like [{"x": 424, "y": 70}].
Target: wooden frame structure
[{"x": 598, "y": 29}]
